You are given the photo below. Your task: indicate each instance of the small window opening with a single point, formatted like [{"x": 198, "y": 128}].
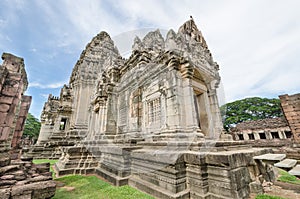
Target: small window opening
[
  {"x": 251, "y": 136},
  {"x": 63, "y": 123},
  {"x": 288, "y": 134},
  {"x": 275, "y": 135},
  {"x": 241, "y": 136},
  {"x": 262, "y": 136}
]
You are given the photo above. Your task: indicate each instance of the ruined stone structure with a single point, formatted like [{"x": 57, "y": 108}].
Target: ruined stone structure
[
  {"x": 287, "y": 127},
  {"x": 19, "y": 178},
  {"x": 291, "y": 108},
  {"x": 151, "y": 121},
  {"x": 279, "y": 134},
  {"x": 270, "y": 128},
  {"x": 54, "y": 125}
]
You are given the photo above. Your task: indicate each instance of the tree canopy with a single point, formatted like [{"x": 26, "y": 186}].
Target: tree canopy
[
  {"x": 254, "y": 108},
  {"x": 32, "y": 127}
]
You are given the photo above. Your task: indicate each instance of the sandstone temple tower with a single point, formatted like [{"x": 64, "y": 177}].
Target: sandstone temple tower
[{"x": 147, "y": 121}]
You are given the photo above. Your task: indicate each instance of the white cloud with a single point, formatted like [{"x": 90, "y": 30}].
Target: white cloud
[
  {"x": 45, "y": 96},
  {"x": 33, "y": 49},
  {"x": 256, "y": 43},
  {"x": 44, "y": 86}
]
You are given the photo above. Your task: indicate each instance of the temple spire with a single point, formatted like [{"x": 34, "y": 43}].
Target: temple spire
[{"x": 190, "y": 28}]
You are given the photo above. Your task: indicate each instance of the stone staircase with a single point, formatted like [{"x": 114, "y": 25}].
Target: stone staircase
[{"x": 280, "y": 161}]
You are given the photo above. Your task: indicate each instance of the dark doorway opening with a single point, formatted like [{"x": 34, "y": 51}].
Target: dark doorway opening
[
  {"x": 275, "y": 135},
  {"x": 262, "y": 136}
]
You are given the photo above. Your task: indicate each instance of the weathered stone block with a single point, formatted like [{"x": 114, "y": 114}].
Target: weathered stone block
[
  {"x": 295, "y": 171},
  {"x": 256, "y": 187},
  {"x": 4, "y": 108},
  {"x": 270, "y": 157},
  {"x": 7, "y": 177},
  {"x": 2, "y": 118},
  {"x": 5, "y": 193},
  {"x": 9, "y": 168},
  {"x": 5, "y": 133},
  {"x": 286, "y": 163}
]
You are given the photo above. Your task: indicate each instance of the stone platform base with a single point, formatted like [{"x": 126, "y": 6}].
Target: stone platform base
[
  {"x": 76, "y": 160},
  {"x": 179, "y": 170}
]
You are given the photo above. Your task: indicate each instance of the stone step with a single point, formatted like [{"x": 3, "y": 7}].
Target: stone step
[
  {"x": 286, "y": 163},
  {"x": 111, "y": 177},
  {"x": 270, "y": 157},
  {"x": 295, "y": 171}
]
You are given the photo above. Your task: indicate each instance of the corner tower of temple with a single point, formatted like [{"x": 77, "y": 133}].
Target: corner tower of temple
[{"x": 97, "y": 56}]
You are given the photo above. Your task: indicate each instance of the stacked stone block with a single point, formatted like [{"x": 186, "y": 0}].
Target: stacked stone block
[
  {"x": 291, "y": 108},
  {"x": 19, "y": 177}
]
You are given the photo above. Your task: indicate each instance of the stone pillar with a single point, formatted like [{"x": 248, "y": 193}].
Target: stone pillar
[
  {"x": 281, "y": 134},
  {"x": 173, "y": 101},
  {"x": 13, "y": 83},
  {"x": 188, "y": 114},
  {"x": 25, "y": 104},
  {"x": 14, "y": 107},
  {"x": 256, "y": 135},
  {"x": 246, "y": 136},
  {"x": 216, "y": 124}
]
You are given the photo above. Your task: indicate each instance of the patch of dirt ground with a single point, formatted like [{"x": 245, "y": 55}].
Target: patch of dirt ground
[{"x": 275, "y": 190}]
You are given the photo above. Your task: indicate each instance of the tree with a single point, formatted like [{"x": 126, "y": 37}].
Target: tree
[
  {"x": 32, "y": 127},
  {"x": 254, "y": 108}
]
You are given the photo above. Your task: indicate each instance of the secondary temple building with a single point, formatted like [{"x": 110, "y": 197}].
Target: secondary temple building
[{"x": 151, "y": 121}]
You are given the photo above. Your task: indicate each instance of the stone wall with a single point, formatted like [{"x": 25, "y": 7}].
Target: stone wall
[
  {"x": 291, "y": 108},
  {"x": 19, "y": 177}
]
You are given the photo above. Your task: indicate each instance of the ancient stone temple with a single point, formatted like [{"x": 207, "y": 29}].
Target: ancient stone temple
[
  {"x": 151, "y": 121},
  {"x": 19, "y": 178}
]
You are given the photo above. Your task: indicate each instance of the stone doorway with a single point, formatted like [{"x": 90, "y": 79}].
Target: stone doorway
[{"x": 201, "y": 112}]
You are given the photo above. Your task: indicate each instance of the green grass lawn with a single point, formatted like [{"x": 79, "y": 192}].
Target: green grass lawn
[
  {"x": 268, "y": 197},
  {"x": 90, "y": 187},
  {"x": 286, "y": 177}
]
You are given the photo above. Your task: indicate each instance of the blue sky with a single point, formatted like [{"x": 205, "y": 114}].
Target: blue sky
[{"x": 255, "y": 42}]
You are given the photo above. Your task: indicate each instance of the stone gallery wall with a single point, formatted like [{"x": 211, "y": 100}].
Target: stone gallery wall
[
  {"x": 286, "y": 127},
  {"x": 19, "y": 178},
  {"x": 264, "y": 129}
]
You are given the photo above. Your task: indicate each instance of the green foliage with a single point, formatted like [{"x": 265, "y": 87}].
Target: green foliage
[
  {"x": 286, "y": 177},
  {"x": 32, "y": 127},
  {"x": 268, "y": 197},
  {"x": 91, "y": 187},
  {"x": 254, "y": 108}
]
